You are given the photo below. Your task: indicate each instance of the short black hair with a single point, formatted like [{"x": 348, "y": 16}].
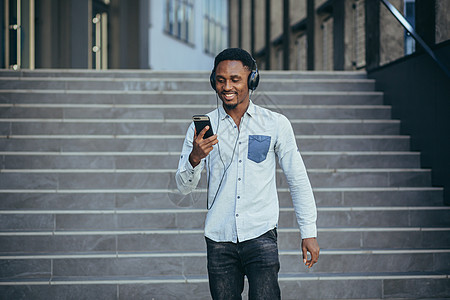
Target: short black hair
[{"x": 235, "y": 54}]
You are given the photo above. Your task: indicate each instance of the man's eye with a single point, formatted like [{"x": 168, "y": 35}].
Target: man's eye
[{"x": 236, "y": 80}]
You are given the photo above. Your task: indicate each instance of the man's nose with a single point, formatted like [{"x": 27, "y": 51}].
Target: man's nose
[{"x": 228, "y": 85}]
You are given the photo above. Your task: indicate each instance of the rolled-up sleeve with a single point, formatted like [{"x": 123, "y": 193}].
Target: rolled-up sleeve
[
  {"x": 293, "y": 167},
  {"x": 187, "y": 177}
]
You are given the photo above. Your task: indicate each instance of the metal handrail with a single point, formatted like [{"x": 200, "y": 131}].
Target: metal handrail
[{"x": 414, "y": 34}]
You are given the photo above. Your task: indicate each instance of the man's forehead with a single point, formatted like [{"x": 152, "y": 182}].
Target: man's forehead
[
  {"x": 232, "y": 61},
  {"x": 235, "y": 66}
]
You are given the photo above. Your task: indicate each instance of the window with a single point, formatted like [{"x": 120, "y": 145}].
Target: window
[
  {"x": 180, "y": 19},
  {"x": 215, "y": 26}
]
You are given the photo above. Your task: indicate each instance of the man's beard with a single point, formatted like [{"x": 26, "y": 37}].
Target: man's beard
[{"x": 230, "y": 106}]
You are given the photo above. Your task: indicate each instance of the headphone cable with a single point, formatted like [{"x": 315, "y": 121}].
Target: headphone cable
[{"x": 208, "y": 207}]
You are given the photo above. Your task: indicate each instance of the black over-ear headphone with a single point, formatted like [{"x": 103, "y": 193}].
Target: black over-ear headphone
[{"x": 253, "y": 78}]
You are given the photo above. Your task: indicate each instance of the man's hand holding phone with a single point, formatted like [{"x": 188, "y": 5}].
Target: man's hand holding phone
[{"x": 201, "y": 147}]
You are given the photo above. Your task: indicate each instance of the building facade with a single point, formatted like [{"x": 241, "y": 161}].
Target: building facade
[
  {"x": 333, "y": 34},
  {"x": 112, "y": 34}
]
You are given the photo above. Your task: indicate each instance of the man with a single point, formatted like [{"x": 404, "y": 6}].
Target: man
[{"x": 240, "y": 227}]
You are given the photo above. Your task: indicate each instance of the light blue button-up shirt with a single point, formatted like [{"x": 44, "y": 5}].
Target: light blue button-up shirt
[{"x": 243, "y": 199}]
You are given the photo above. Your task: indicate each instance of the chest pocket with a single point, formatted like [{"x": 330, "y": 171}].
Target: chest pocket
[{"x": 258, "y": 146}]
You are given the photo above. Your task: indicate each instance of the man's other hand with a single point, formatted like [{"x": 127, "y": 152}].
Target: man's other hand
[{"x": 312, "y": 246}]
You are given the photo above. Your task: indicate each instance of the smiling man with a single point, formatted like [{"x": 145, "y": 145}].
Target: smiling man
[{"x": 240, "y": 159}]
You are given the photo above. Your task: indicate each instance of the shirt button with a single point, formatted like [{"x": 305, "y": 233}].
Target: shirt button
[
  {"x": 240, "y": 143},
  {"x": 240, "y": 160},
  {"x": 239, "y": 197},
  {"x": 237, "y": 215},
  {"x": 239, "y": 179}
]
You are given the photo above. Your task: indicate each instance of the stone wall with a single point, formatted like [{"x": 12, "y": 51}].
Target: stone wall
[
  {"x": 442, "y": 21},
  {"x": 234, "y": 23},
  {"x": 297, "y": 10},
  {"x": 260, "y": 27},
  {"x": 246, "y": 25},
  {"x": 391, "y": 34}
]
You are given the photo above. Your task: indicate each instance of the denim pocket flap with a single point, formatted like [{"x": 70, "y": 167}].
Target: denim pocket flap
[{"x": 258, "y": 147}]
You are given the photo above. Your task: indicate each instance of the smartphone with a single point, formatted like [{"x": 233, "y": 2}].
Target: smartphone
[{"x": 200, "y": 122}]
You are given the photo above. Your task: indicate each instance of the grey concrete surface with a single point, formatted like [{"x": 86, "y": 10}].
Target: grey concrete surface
[{"x": 88, "y": 206}]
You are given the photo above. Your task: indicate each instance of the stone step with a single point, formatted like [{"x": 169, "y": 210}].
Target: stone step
[
  {"x": 101, "y": 241},
  {"x": 73, "y": 73},
  {"x": 57, "y": 162},
  {"x": 159, "y": 219},
  {"x": 310, "y": 286},
  {"x": 163, "y": 111},
  {"x": 10, "y": 127},
  {"x": 194, "y": 263},
  {"x": 168, "y": 199},
  {"x": 23, "y": 96},
  {"x": 97, "y": 143},
  {"x": 179, "y": 84},
  {"x": 157, "y": 178},
  {"x": 89, "y": 208}
]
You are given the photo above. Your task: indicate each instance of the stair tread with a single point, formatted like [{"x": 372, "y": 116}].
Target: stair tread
[
  {"x": 201, "y": 231},
  {"x": 156, "y": 190},
  {"x": 203, "y": 278},
  {"x": 183, "y": 121},
  {"x": 157, "y": 254},
  {"x": 81, "y": 92},
  {"x": 189, "y": 105},
  {"x": 174, "y": 78},
  {"x": 204, "y": 210}
]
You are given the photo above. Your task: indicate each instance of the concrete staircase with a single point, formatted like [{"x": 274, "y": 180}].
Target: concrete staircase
[{"x": 88, "y": 208}]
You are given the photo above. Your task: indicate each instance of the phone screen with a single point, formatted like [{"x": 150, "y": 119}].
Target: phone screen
[{"x": 200, "y": 122}]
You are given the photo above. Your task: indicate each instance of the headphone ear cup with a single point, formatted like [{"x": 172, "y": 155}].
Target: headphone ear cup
[
  {"x": 253, "y": 80},
  {"x": 212, "y": 80}
]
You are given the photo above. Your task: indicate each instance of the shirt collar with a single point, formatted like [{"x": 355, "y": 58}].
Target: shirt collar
[{"x": 251, "y": 110}]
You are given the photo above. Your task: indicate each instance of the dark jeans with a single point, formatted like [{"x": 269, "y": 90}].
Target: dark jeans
[{"x": 257, "y": 259}]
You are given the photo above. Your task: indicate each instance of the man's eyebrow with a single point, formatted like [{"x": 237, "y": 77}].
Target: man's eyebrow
[{"x": 231, "y": 76}]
